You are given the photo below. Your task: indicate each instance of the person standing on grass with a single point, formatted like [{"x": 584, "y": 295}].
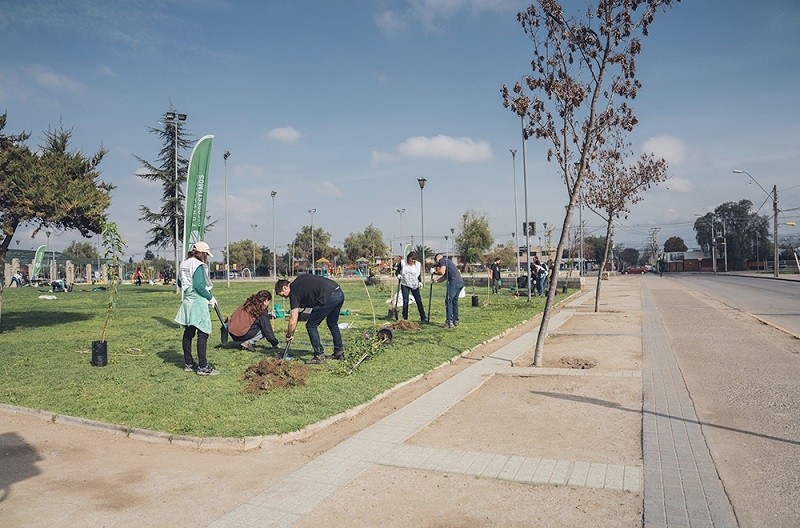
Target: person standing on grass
[
  {"x": 410, "y": 273},
  {"x": 449, "y": 272},
  {"x": 193, "y": 314},
  {"x": 494, "y": 275},
  {"x": 251, "y": 321},
  {"x": 325, "y": 298}
]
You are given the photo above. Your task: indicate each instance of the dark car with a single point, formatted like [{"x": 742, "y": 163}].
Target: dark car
[{"x": 635, "y": 270}]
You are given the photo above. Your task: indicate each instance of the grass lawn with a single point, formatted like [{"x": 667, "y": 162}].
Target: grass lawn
[{"x": 46, "y": 357}]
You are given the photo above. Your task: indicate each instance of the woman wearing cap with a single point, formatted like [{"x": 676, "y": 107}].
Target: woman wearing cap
[{"x": 193, "y": 314}]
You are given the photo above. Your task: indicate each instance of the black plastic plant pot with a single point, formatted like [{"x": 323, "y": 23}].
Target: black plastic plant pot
[
  {"x": 385, "y": 335},
  {"x": 99, "y": 353},
  {"x": 475, "y": 300}
]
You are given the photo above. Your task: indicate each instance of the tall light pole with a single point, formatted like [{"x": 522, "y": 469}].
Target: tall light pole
[
  {"x": 774, "y": 197},
  {"x": 274, "y": 255},
  {"x": 254, "y": 226},
  {"x": 421, "y": 181},
  {"x": 400, "y": 212},
  {"x": 176, "y": 118},
  {"x": 516, "y": 218},
  {"x": 227, "y": 243},
  {"x": 313, "y": 270},
  {"x": 525, "y": 199}
]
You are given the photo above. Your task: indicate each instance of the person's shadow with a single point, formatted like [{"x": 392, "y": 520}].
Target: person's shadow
[{"x": 17, "y": 462}]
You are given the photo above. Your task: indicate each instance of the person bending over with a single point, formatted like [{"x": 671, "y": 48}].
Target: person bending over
[{"x": 325, "y": 298}]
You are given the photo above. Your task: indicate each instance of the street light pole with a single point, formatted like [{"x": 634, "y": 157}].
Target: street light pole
[
  {"x": 227, "y": 242},
  {"x": 525, "y": 198},
  {"x": 175, "y": 118},
  {"x": 400, "y": 212},
  {"x": 516, "y": 218},
  {"x": 311, "y": 212},
  {"x": 254, "y": 226},
  {"x": 421, "y": 181},
  {"x": 774, "y": 197},
  {"x": 274, "y": 255}
]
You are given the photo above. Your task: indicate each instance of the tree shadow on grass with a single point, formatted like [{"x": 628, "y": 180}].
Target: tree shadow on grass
[{"x": 28, "y": 319}]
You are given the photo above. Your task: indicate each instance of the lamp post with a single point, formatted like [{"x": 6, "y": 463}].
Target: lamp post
[
  {"x": 525, "y": 199},
  {"x": 400, "y": 212},
  {"x": 227, "y": 243},
  {"x": 254, "y": 226},
  {"x": 774, "y": 197},
  {"x": 447, "y": 245},
  {"x": 421, "y": 181},
  {"x": 516, "y": 218},
  {"x": 274, "y": 255},
  {"x": 176, "y": 118},
  {"x": 311, "y": 212}
]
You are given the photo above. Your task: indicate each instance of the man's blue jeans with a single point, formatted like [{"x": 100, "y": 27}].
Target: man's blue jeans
[
  {"x": 330, "y": 312},
  {"x": 451, "y": 300}
]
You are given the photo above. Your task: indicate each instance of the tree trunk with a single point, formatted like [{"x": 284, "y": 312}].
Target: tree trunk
[
  {"x": 552, "y": 287},
  {"x": 603, "y": 266}
]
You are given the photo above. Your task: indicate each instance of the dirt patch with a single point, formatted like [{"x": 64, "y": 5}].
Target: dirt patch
[
  {"x": 270, "y": 373},
  {"x": 575, "y": 363}
]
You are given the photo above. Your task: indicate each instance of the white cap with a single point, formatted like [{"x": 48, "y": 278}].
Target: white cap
[{"x": 202, "y": 247}]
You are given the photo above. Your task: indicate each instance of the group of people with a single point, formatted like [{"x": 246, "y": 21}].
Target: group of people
[{"x": 251, "y": 321}]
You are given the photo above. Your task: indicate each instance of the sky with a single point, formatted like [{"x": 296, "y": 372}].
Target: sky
[{"x": 341, "y": 106}]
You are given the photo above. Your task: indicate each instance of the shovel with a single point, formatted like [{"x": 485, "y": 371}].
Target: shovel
[
  {"x": 285, "y": 353},
  {"x": 224, "y": 329}
]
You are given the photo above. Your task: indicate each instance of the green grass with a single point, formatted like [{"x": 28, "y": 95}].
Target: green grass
[{"x": 144, "y": 385}]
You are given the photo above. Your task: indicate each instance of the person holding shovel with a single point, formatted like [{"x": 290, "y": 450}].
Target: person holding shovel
[
  {"x": 251, "y": 321},
  {"x": 193, "y": 314},
  {"x": 449, "y": 272},
  {"x": 325, "y": 298},
  {"x": 410, "y": 273},
  {"x": 494, "y": 275}
]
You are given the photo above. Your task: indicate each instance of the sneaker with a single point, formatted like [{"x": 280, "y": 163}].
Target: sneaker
[
  {"x": 338, "y": 355},
  {"x": 207, "y": 371},
  {"x": 189, "y": 367},
  {"x": 447, "y": 324},
  {"x": 246, "y": 345},
  {"x": 456, "y": 323},
  {"x": 316, "y": 360}
]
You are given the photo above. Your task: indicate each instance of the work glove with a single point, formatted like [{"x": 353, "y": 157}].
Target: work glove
[{"x": 212, "y": 302}]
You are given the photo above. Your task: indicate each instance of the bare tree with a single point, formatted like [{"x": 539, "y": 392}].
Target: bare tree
[
  {"x": 583, "y": 72},
  {"x": 616, "y": 186}
]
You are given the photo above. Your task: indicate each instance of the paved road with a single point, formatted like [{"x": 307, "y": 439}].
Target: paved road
[
  {"x": 742, "y": 379},
  {"x": 777, "y": 301}
]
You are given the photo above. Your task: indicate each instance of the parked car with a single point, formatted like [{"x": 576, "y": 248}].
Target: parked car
[{"x": 635, "y": 270}]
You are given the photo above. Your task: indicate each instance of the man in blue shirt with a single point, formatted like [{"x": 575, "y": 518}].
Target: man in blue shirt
[{"x": 449, "y": 272}]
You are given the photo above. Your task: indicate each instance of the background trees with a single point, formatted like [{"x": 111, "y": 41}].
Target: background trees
[
  {"x": 674, "y": 243},
  {"x": 77, "y": 250},
  {"x": 474, "y": 238},
  {"x": 163, "y": 171},
  {"x": 367, "y": 244},
  {"x": 55, "y": 187},
  {"x": 745, "y": 233}
]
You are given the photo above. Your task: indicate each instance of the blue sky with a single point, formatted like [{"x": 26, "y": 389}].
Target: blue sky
[{"x": 341, "y": 106}]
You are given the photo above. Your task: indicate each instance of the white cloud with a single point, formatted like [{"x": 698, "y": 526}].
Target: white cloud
[
  {"x": 284, "y": 134},
  {"x": 676, "y": 151},
  {"x": 106, "y": 71},
  {"x": 432, "y": 14},
  {"x": 329, "y": 189},
  {"x": 464, "y": 150},
  {"x": 47, "y": 78}
]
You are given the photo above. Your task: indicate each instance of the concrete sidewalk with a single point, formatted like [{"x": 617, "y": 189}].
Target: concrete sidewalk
[{"x": 499, "y": 443}]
